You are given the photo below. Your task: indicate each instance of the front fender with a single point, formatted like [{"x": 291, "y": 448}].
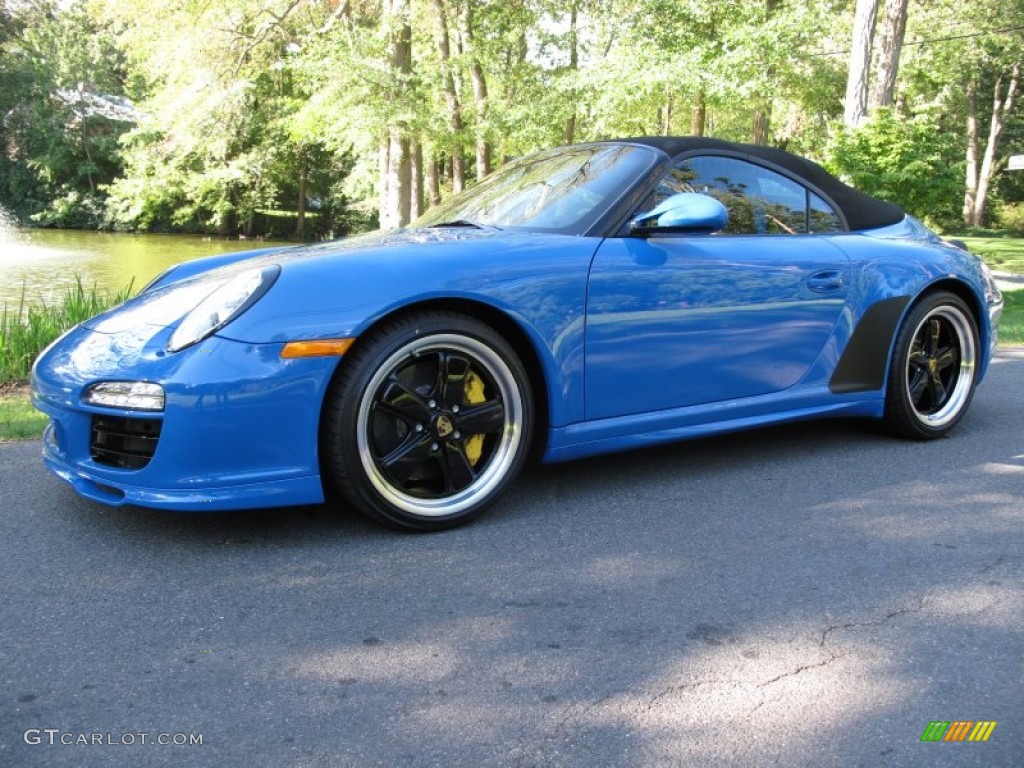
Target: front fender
[{"x": 539, "y": 282}]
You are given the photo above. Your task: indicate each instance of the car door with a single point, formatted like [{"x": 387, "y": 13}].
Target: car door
[{"x": 685, "y": 320}]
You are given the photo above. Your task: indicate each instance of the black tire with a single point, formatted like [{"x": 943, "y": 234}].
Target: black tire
[
  {"x": 933, "y": 370},
  {"x": 428, "y": 421}
]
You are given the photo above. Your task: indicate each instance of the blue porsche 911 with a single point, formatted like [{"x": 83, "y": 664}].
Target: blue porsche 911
[{"x": 581, "y": 300}]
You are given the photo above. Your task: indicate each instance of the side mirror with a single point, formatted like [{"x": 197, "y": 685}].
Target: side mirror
[{"x": 688, "y": 213}]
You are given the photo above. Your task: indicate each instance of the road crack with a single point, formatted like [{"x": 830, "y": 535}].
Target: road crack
[
  {"x": 803, "y": 668},
  {"x": 668, "y": 691},
  {"x": 824, "y": 641}
]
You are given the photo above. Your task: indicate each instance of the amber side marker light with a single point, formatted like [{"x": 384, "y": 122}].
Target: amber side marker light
[{"x": 320, "y": 348}]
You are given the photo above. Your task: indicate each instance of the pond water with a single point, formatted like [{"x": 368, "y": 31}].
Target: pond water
[{"x": 44, "y": 262}]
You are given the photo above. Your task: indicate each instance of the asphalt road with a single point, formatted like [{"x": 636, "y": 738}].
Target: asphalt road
[{"x": 807, "y": 595}]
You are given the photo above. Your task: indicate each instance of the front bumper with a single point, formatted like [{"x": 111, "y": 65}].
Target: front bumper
[
  {"x": 239, "y": 429},
  {"x": 115, "y": 492}
]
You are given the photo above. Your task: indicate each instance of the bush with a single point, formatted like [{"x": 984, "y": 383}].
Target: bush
[
  {"x": 72, "y": 209},
  {"x": 909, "y": 162},
  {"x": 1011, "y": 217}
]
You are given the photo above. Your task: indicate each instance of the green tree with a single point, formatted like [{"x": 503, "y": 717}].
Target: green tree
[
  {"x": 224, "y": 136},
  {"x": 62, "y": 87},
  {"x": 963, "y": 73},
  {"x": 902, "y": 160},
  {"x": 342, "y": 111}
]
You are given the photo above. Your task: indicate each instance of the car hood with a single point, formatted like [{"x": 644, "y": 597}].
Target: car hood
[{"x": 377, "y": 253}]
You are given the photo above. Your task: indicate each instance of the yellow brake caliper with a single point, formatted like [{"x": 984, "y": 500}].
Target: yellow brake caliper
[{"x": 473, "y": 392}]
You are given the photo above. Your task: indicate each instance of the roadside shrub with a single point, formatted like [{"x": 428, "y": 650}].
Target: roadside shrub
[
  {"x": 1011, "y": 217},
  {"x": 910, "y": 162}
]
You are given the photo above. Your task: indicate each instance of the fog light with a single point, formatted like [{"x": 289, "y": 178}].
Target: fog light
[{"x": 137, "y": 395}]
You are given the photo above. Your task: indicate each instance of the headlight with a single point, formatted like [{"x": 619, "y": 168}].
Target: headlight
[
  {"x": 140, "y": 395},
  {"x": 222, "y": 306}
]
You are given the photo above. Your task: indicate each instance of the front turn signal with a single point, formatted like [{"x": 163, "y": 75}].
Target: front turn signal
[{"x": 319, "y": 348}]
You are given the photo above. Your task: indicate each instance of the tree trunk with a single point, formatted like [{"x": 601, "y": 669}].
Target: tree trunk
[
  {"x": 889, "y": 49},
  {"x": 88, "y": 154},
  {"x": 300, "y": 218},
  {"x": 971, "y": 182},
  {"x": 451, "y": 96},
  {"x": 383, "y": 163},
  {"x": 698, "y": 115},
  {"x": 395, "y": 180},
  {"x": 666, "y": 116},
  {"x": 434, "y": 170},
  {"x": 226, "y": 223},
  {"x": 762, "y": 119},
  {"x": 476, "y": 73},
  {"x": 394, "y": 153},
  {"x": 458, "y": 174},
  {"x": 856, "y": 104},
  {"x": 1002, "y": 106},
  {"x": 416, "y": 181},
  {"x": 763, "y": 101},
  {"x": 399, "y": 172},
  {"x": 569, "y": 134}
]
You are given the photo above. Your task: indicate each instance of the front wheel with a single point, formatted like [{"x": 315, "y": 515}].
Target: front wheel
[
  {"x": 428, "y": 421},
  {"x": 933, "y": 371}
]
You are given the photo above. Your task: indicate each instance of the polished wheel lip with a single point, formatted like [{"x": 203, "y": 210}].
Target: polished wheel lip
[
  {"x": 504, "y": 453},
  {"x": 936, "y": 360}
]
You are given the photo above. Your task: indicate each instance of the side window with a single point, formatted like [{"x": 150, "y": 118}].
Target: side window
[
  {"x": 759, "y": 201},
  {"x": 821, "y": 217}
]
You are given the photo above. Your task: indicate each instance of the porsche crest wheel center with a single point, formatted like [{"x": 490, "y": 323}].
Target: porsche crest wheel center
[{"x": 443, "y": 426}]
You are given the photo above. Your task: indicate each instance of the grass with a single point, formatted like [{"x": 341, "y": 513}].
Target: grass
[
  {"x": 1004, "y": 253},
  {"x": 18, "y": 419},
  {"x": 26, "y": 331},
  {"x": 1011, "y": 329}
]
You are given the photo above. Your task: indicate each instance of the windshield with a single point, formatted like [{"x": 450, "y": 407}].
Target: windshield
[{"x": 558, "y": 190}]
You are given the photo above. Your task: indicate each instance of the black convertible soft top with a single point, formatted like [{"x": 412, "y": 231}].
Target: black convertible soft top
[{"x": 860, "y": 210}]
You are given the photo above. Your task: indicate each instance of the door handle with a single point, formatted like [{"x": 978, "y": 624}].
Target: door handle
[{"x": 826, "y": 280}]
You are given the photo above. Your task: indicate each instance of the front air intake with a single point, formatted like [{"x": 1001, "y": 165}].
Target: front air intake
[{"x": 124, "y": 443}]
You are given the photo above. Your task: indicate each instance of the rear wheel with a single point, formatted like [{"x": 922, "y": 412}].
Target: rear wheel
[
  {"x": 428, "y": 421},
  {"x": 933, "y": 370}
]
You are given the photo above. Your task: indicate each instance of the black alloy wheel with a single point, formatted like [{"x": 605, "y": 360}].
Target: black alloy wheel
[
  {"x": 428, "y": 421},
  {"x": 933, "y": 371}
]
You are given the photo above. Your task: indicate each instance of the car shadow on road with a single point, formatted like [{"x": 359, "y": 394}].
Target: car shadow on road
[
  {"x": 812, "y": 593},
  {"x": 541, "y": 490}
]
